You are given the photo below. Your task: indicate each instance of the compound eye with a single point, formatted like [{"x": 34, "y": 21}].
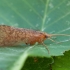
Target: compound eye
[{"x": 46, "y": 36}]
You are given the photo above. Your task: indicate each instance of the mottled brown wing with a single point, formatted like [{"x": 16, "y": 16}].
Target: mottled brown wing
[{"x": 10, "y": 36}]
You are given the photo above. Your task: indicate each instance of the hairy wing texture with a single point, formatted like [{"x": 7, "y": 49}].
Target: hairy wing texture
[{"x": 10, "y": 36}]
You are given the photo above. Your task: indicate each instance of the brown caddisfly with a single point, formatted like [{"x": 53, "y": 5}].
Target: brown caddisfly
[{"x": 11, "y": 36}]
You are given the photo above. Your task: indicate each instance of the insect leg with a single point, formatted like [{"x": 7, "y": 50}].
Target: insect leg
[{"x": 46, "y": 47}]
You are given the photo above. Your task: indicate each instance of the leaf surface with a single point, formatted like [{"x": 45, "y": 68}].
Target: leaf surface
[{"x": 50, "y": 16}]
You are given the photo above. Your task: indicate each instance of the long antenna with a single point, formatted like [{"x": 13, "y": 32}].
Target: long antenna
[
  {"x": 60, "y": 34},
  {"x": 54, "y": 41},
  {"x": 50, "y": 35}
]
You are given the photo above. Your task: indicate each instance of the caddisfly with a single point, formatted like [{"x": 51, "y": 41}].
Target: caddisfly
[{"x": 11, "y": 36}]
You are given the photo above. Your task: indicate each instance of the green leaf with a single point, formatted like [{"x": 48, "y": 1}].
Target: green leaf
[
  {"x": 62, "y": 62},
  {"x": 36, "y": 63},
  {"x": 50, "y": 16}
]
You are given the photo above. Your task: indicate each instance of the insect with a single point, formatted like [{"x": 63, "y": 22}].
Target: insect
[{"x": 11, "y": 36}]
